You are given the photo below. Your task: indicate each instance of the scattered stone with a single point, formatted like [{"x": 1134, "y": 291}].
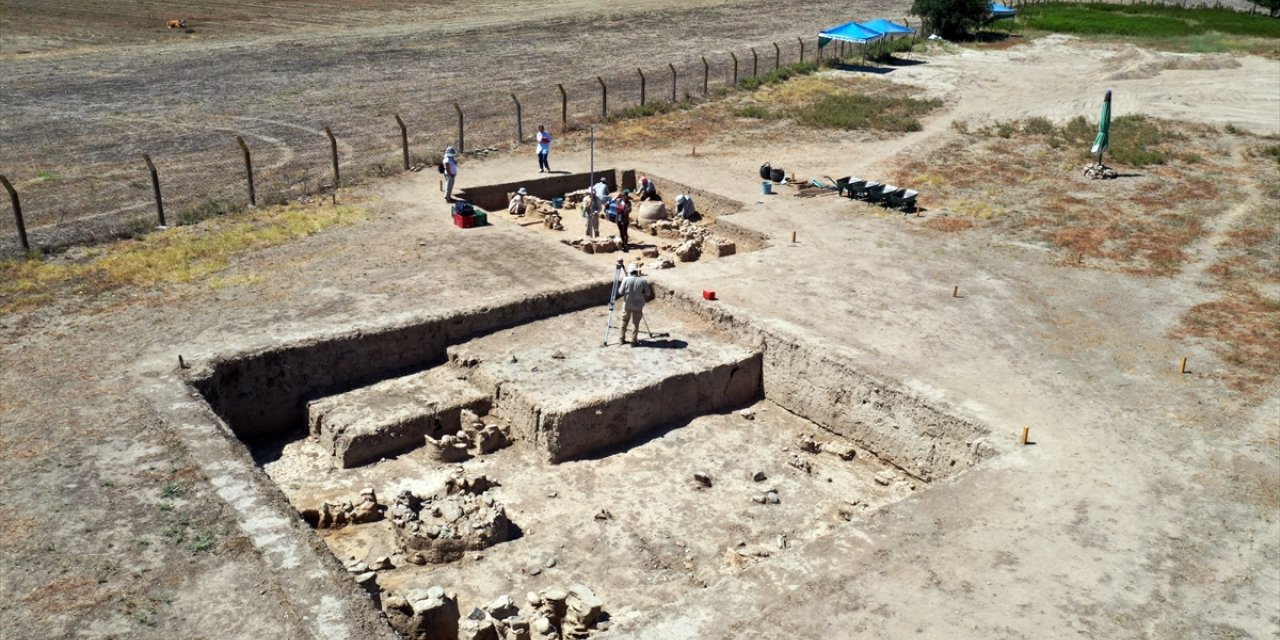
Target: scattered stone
[
  {"x": 749, "y": 414},
  {"x": 584, "y": 607},
  {"x": 552, "y": 494},
  {"x": 503, "y": 607},
  {"x": 477, "y": 629},
  {"x": 702, "y": 479},
  {"x": 357, "y": 567},
  {"x": 759, "y": 476},
  {"x": 666, "y": 263},
  {"x": 807, "y": 444},
  {"x": 649, "y": 252},
  {"x": 772, "y": 497},
  {"x": 382, "y": 564},
  {"x": 885, "y": 478},
  {"x": 721, "y": 248},
  {"x": 333, "y": 515},
  {"x": 535, "y": 571},
  {"x": 688, "y": 251},
  {"x": 551, "y": 562},
  {"x": 842, "y": 449},
  {"x": 604, "y": 514},
  {"x": 801, "y": 464}
]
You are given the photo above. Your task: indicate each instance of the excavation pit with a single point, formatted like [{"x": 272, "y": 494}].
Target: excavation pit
[{"x": 643, "y": 472}]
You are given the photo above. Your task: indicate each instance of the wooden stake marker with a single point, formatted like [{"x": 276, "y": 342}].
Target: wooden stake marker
[
  {"x": 793, "y": 236},
  {"x": 955, "y": 293},
  {"x": 1025, "y": 432},
  {"x": 1183, "y": 368}
]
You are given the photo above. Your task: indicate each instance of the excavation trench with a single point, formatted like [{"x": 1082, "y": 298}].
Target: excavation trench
[{"x": 504, "y": 450}]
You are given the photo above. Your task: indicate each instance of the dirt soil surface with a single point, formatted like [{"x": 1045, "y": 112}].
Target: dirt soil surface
[
  {"x": 1145, "y": 506},
  {"x": 82, "y": 107}
]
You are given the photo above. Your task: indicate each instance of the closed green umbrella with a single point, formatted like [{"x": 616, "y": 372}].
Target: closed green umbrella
[{"x": 1104, "y": 128}]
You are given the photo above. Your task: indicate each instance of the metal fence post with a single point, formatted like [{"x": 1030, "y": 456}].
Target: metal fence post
[
  {"x": 248, "y": 169},
  {"x": 755, "y": 63},
  {"x": 404, "y": 141},
  {"x": 673, "y": 81},
  {"x": 155, "y": 187},
  {"x": 333, "y": 151},
  {"x": 642, "y": 83},
  {"x": 801, "y": 49},
  {"x": 777, "y": 57},
  {"x": 604, "y": 99},
  {"x": 706, "y": 73},
  {"x": 462, "y": 147},
  {"x": 735, "y": 67},
  {"x": 564, "y": 109},
  {"x": 17, "y": 214},
  {"x": 519, "y": 120}
]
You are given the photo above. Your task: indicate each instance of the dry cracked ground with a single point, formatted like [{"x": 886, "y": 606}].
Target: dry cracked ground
[{"x": 1022, "y": 296}]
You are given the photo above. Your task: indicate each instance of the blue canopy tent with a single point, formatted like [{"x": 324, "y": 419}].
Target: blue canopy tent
[
  {"x": 887, "y": 28},
  {"x": 851, "y": 32},
  {"x": 1000, "y": 12}
]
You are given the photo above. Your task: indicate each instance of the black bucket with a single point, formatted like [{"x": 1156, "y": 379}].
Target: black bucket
[
  {"x": 765, "y": 171},
  {"x": 777, "y": 175}
]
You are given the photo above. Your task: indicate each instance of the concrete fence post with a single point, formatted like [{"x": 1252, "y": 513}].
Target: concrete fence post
[
  {"x": 404, "y": 141},
  {"x": 801, "y": 49},
  {"x": 155, "y": 187},
  {"x": 642, "y": 83},
  {"x": 706, "y": 74},
  {"x": 248, "y": 169},
  {"x": 735, "y": 67},
  {"x": 755, "y": 63},
  {"x": 564, "y": 109},
  {"x": 17, "y": 214},
  {"x": 519, "y": 119},
  {"x": 777, "y": 57},
  {"x": 462, "y": 139},
  {"x": 604, "y": 99},
  {"x": 673, "y": 81},
  {"x": 333, "y": 153}
]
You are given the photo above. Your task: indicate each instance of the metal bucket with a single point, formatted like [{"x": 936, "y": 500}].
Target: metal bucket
[{"x": 766, "y": 188}]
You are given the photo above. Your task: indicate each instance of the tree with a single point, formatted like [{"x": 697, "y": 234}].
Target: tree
[
  {"x": 953, "y": 19},
  {"x": 1272, "y": 6}
]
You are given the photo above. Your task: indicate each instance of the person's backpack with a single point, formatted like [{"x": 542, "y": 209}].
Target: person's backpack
[
  {"x": 440, "y": 167},
  {"x": 463, "y": 208}
]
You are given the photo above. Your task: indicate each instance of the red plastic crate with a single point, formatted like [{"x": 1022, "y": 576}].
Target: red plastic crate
[
  {"x": 708, "y": 295},
  {"x": 465, "y": 222}
]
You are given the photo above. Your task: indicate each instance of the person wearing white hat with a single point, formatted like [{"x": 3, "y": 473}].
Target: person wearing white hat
[
  {"x": 635, "y": 291},
  {"x": 450, "y": 166},
  {"x": 517, "y": 206}
]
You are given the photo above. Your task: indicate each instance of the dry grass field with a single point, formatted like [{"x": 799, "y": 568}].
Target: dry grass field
[{"x": 1144, "y": 505}]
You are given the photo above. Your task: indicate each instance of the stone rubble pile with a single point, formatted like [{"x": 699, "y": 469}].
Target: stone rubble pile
[
  {"x": 444, "y": 527},
  {"x": 423, "y": 614},
  {"x": 334, "y": 515},
  {"x": 476, "y": 437},
  {"x": 552, "y": 614}
]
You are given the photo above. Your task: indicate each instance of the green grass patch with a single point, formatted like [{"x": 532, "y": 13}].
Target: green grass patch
[
  {"x": 778, "y": 76},
  {"x": 1195, "y": 27},
  {"x": 859, "y": 111},
  {"x": 756, "y": 111}
]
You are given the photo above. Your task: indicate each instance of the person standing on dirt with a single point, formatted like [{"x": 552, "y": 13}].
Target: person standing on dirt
[
  {"x": 544, "y": 149},
  {"x": 449, "y": 167},
  {"x": 635, "y": 292},
  {"x": 622, "y": 205}
]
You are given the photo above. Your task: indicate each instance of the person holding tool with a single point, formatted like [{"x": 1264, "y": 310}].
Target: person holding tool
[{"x": 635, "y": 291}]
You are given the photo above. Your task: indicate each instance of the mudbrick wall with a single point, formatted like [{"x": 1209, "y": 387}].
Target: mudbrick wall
[
  {"x": 493, "y": 197},
  {"x": 923, "y": 439},
  {"x": 263, "y": 392}
]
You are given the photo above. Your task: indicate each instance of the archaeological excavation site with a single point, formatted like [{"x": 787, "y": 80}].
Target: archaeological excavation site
[{"x": 483, "y": 475}]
